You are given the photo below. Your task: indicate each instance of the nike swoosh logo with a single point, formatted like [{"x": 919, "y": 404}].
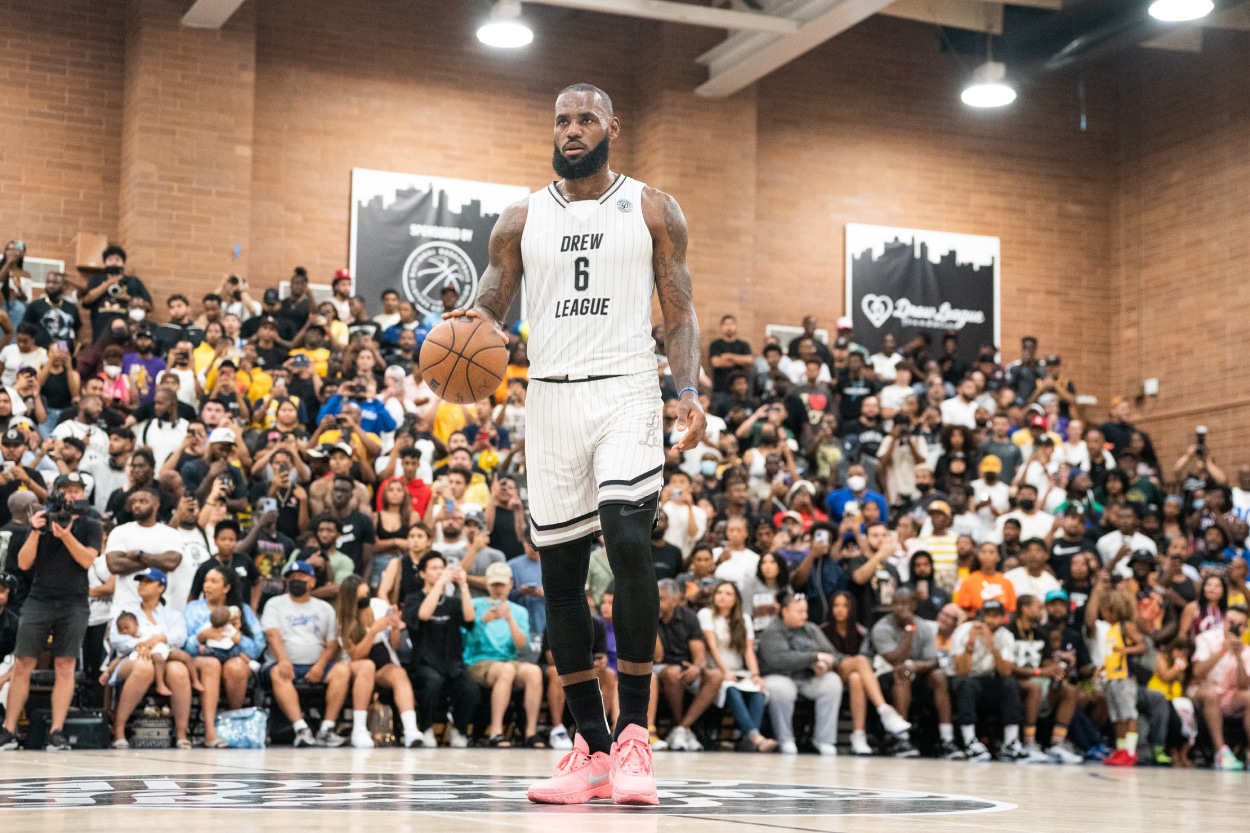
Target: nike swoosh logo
[
  {"x": 595, "y": 781},
  {"x": 633, "y": 510}
]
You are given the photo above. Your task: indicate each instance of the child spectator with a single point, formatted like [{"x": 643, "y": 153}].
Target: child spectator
[
  {"x": 1121, "y": 641},
  {"x": 225, "y": 645}
]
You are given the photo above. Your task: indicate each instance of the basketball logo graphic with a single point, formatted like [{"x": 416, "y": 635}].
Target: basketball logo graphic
[
  {"x": 432, "y": 266},
  {"x": 624, "y": 206}
]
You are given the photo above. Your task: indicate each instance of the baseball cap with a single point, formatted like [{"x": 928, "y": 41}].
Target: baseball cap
[
  {"x": 143, "y": 332},
  {"x": 153, "y": 574},
  {"x": 299, "y": 567},
  {"x": 221, "y": 435},
  {"x": 72, "y": 478},
  {"x": 792, "y": 516},
  {"x": 1045, "y": 439},
  {"x": 1056, "y": 595},
  {"x": 13, "y": 437},
  {"x": 498, "y": 573},
  {"x": 940, "y": 506},
  {"x": 271, "y": 296},
  {"x": 991, "y": 463},
  {"x": 9, "y": 580},
  {"x": 343, "y": 447},
  {"x": 342, "y": 275},
  {"x": 474, "y": 514},
  {"x": 320, "y": 451},
  {"x": 449, "y": 287},
  {"x": 842, "y": 344},
  {"x": 1141, "y": 557},
  {"x": 268, "y": 321},
  {"x": 993, "y": 606},
  {"x": 845, "y": 323},
  {"x": 1037, "y": 421}
]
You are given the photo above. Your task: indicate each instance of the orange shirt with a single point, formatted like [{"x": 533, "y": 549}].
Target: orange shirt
[
  {"x": 978, "y": 588},
  {"x": 513, "y": 372}
]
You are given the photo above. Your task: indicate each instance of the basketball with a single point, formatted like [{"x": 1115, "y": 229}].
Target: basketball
[{"x": 463, "y": 360}]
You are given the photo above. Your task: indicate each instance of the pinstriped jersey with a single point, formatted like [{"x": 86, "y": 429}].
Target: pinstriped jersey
[{"x": 588, "y": 283}]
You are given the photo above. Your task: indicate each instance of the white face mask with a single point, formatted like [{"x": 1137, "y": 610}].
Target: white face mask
[
  {"x": 137, "y": 314},
  {"x": 113, "y": 370},
  {"x": 856, "y": 483}
]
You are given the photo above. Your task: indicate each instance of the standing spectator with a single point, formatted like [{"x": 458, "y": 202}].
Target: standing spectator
[
  {"x": 56, "y": 556},
  {"x": 15, "y": 281},
  {"x": 982, "y": 651},
  {"x": 60, "y": 385},
  {"x": 885, "y": 363},
  {"x": 143, "y": 367},
  {"x": 22, "y": 352},
  {"x": 1119, "y": 432},
  {"x": 54, "y": 318},
  {"x": 491, "y": 650},
  {"x": 1024, "y": 373},
  {"x": 109, "y": 293},
  {"x": 1031, "y": 577},
  {"x": 683, "y": 667},
  {"x": 728, "y": 354},
  {"x": 796, "y": 658},
  {"x": 687, "y": 523},
  {"x": 730, "y": 639},
  {"x": 138, "y": 544},
  {"x": 1221, "y": 667},
  {"x": 960, "y": 410},
  {"x": 900, "y": 453},
  {"x": 1120, "y": 641},
  {"x": 856, "y": 490},
  {"x": 303, "y": 644},
  {"x": 436, "y": 621}
]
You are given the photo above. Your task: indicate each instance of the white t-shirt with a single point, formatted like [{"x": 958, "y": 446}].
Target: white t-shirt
[
  {"x": 796, "y": 369},
  {"x": 678, "y": 518},
  {"x": 1000, "y": 499},
  {"x": 1241, "y": 503},
  {"x": 513, "y": 420},
  {"x": 894, "y": 397},
  {"x": 162, "y": 437},
  {"x": 306, "y": 627},
  {"x": 1026, "y": 585},
  {"x": 1036, "y": 525},
  {"x": 186, "y": 385},
  {"x": 719, "y": 625},
  {"x": 982, "y": 658},
  {"x": 1109, "y": 546},
  {"x": 884, "y": 366},
  {"x": 193, "y": 545},
  {"x": 14, "y": 359},
  {"x": 386, "y": 320},
  {"x": 955, "y": 411},
  {"x": 97, "y": 575},
  {"x": 131, "y": 536},
  {"x": 93, "y": 437},
  {"x": 739, "y": 568}
]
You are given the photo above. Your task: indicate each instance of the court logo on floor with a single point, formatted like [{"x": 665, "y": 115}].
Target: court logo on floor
[{"x": 446, "y": 793}]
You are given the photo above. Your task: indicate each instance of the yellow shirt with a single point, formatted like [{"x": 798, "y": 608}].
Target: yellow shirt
[
  {"x": 320, "y": 359},
  {"x": 203, "y": 356},
  {"x": 1170, "y": 690},
  {"x": 334, "y": 435},
  {"x": 448, "y": 419},
  {"x": 1115, "y": 665}
]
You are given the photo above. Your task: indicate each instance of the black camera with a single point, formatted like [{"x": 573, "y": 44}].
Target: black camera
[
  {"x": 116, "y": 290},
  {"x": 233, "y": 280},
  {"x": 59, "y": 509},
  {"x": 902, "y": 421}
]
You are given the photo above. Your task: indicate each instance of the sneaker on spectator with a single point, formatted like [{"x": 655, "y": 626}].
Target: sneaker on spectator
[
  {"x": 1121, "y": 757},
  {"x": 977, "y": 752},
  {"x": 1033, "y": 754},
  {"x": 632, "y": 775},
  {"x": 1064, "y": 753},
  {"x": 1227, "y": 761},
  {"x": 559, "y": 739},
  {"x": 1161, "y": 756},
  {"x": 57, "y": 742},
  {"x": 859, "y": 745},
  {"x": 362, "y": 740},
  {"x": 429, "y": 739},
  {"x": 788, "y": 748},
  {"x": 329, "y": 737},
  {"x": 8, "y": 740},
  {"x": 904, "y": 749},
  {"x": 677, "y": 739},
  {"x": 1012, "y": 752},
  {"x": 693, "y": 744},
  {"x": 414, "y": 741},
  {"x": 893, "y": 722},
  {"x": 580, "y": 777},
  {"x": 304, "y": 737},
  {"x": 1097, "y": 753},
  {"x": 948, "y": 751},
  {"x": 458, "y": 740},
  {"x": 827, "y": 749}
]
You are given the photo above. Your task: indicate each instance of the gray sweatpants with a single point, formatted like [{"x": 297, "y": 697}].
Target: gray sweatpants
[{"x": 825, "y": 691}]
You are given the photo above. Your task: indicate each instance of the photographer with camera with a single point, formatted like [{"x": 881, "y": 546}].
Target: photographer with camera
[
  {"x": 232, "y": 298},
  {"x": 198, "y": 476},
  {"x": 15, "y": 476},
  {"x": 56, "y": 556},
  {"x": 900, "y": 453},
  {"x": 109, "y": 292}
]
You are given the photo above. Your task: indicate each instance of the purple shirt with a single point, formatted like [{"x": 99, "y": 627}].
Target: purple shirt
[{"x": 142, "y": 374}]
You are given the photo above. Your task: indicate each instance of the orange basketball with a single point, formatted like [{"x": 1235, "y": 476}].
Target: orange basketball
[{"x": 463, "y": 360}]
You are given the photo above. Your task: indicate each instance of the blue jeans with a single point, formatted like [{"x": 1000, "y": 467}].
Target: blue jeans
[
  {"x": 747, "y": 708},
  {"x": 16, "y": 310},
  {"x": 54, "y": 416}
]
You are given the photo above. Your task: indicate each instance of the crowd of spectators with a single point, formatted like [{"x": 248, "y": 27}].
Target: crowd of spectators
[{"x": 266, "y": 493}]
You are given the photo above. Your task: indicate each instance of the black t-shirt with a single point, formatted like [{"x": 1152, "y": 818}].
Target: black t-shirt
[
  {"x": 147, "y": 411},
  {"x": 115, "y": 508},
  {"x": 245, "y": 572},
  {"x": 108, "y": 308},
  {"x": 677, "y": 633},
  {"x": 667, "y": 560},
  {"x": 56, "y": 576},
  {"x": 436, "y": 642},
  {"x": 1032, "y": 648},
  {"x": 194, "y": 472},
  {"x": 867, "y": 436},
  {"x": 720, "y": 375},
  {"x": 270, "y": 357},
  {"x": 56, "y": 323},
  {"x": 171, "y": 332},
  {"x": 357, "y": 531},
  {"x": 1061, "y": 553},
  {"x": 287, "y": 328},
  {"x": 288, "y": 507},
  {"x": 871, "y": 603},
  {"x": 1071, "y": 640},
  {"x": 7, "y": 490},
  {"x": 852, "y": 393},
  {"x": 56, "y": 391},
  {"x": 503, "y": 535},
  {"x": 8, "y": 631}
]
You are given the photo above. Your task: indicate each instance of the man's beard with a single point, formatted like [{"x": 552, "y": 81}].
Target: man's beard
[
  {"x": 144, "y": 518},
  {"x": 594, "y": 160}
]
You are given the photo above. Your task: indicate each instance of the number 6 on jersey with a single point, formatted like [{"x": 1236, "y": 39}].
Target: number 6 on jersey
[{"x": 581, "y": 274}]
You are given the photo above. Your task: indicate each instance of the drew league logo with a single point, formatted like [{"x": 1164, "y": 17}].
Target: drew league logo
[
  {"x": 430, "y": 267},
  {"x": 448, "y": 793}
]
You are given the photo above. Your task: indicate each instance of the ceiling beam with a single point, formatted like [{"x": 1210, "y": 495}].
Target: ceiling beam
[
  {"x": 728, "y": 76},
  {"x": 959, "y": 14},
  {"x": 680, "y": 13},
  {"x": 210, "y": 14}
]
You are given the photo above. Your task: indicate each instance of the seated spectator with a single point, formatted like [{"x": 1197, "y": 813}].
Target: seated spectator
[
  {"x": 160, "y": 627},
  {"x": 1172, "y": 673},
  {"x": 735, "y": 561},
  {"x": 436, "y": 624},
  {"x": 1221, "y": 667},
  {"x": 666, "y": 558},
  {"x": 1206, "y": 612},
  {"x": 218, "y": 669},
  {"x": 796, "y": 658},
  {"x": 1034, "y": 522},
  {"x": 330, "y": 565},
  {"x": 730, "y": 640},
  {"x": 986, "y": 584},
  {"x": 760, "y": 598},
  {"x": 928, "y": 596},
  {"x": 682, "y": 667},
  {"x": 1031, "y": 578},
  {"x": 370, "y": 631},
  {"x": 982, "y": 651},
  {"x": 873, "y": 579},
  {"x": 302, "y": 646},
  {"x": 491, "y": 648},
  {"x": 1040, "y": 681}
]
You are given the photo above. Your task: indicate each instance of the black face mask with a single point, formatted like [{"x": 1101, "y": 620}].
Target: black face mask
[
  {"x": 361, "y": 604},
  {"x": 120, "y": 336},
  {"x": 297, "y": 587},
  {"x": 1027, "y": 505},
  {"x": 113, "y": 270},
  {"x": 924, "y": 488},
  {"x": 990, "y": 477},
  {"x": 768, "y": 439}
]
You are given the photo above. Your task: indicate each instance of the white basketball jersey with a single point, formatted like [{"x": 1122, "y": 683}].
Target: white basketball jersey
[{"x": 588, "y": 283}]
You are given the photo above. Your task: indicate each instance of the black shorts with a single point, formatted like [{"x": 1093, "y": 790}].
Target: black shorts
[
  {"x": 920, "y": 690},
  {"x": 65, "y": 622},
  {"x": 380, "y": 656}
]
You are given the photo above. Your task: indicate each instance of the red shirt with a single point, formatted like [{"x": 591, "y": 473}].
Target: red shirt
[
  {"x": 808, "y": 519},
  {"x": 416, "y": 487}
]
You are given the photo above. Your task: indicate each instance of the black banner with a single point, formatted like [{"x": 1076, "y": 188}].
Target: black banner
[{"x": 906, "y": 281}]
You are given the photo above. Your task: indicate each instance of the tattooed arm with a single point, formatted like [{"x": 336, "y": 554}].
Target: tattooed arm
[
  {"x": 502, "y": 279},
  {"x": 672, "y": 281}
]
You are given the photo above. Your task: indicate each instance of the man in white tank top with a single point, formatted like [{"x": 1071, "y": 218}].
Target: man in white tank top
[{"x": 591, "y": 248}]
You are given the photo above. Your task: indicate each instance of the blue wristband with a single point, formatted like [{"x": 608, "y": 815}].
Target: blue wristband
[{"x": 692, "y": 390}]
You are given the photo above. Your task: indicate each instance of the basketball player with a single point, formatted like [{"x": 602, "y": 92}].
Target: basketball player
[{"x": 591, "y": 247}]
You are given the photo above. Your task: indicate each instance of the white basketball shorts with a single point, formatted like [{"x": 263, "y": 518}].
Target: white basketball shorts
[{"x": 588, "y": 443}]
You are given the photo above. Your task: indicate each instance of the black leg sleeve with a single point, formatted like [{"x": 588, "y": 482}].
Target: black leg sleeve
[
  {"x": 570, "y": 632},
  {"x": 636, "y": 605}
]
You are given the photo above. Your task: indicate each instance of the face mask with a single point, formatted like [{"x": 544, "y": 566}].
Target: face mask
[
  {"x": 768, "y": 439},
  {"x": 113, "y": 270},
  {"x": 113, "y": 370},
  {"x": 708, "y": 468},
  {"x": 137, "y": 314},
  {"x": 298, "y": 588},
  {"x": 120, "y": 336},
  {"x": 856, "y": 483},
  {"x": 1027, "y": 504},
  {"x": 1199, "y": 503},
  {"x": 924, "y": 488},
  {"x": 990, "y": 477},
  {"x": 361, "y": 604}
]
